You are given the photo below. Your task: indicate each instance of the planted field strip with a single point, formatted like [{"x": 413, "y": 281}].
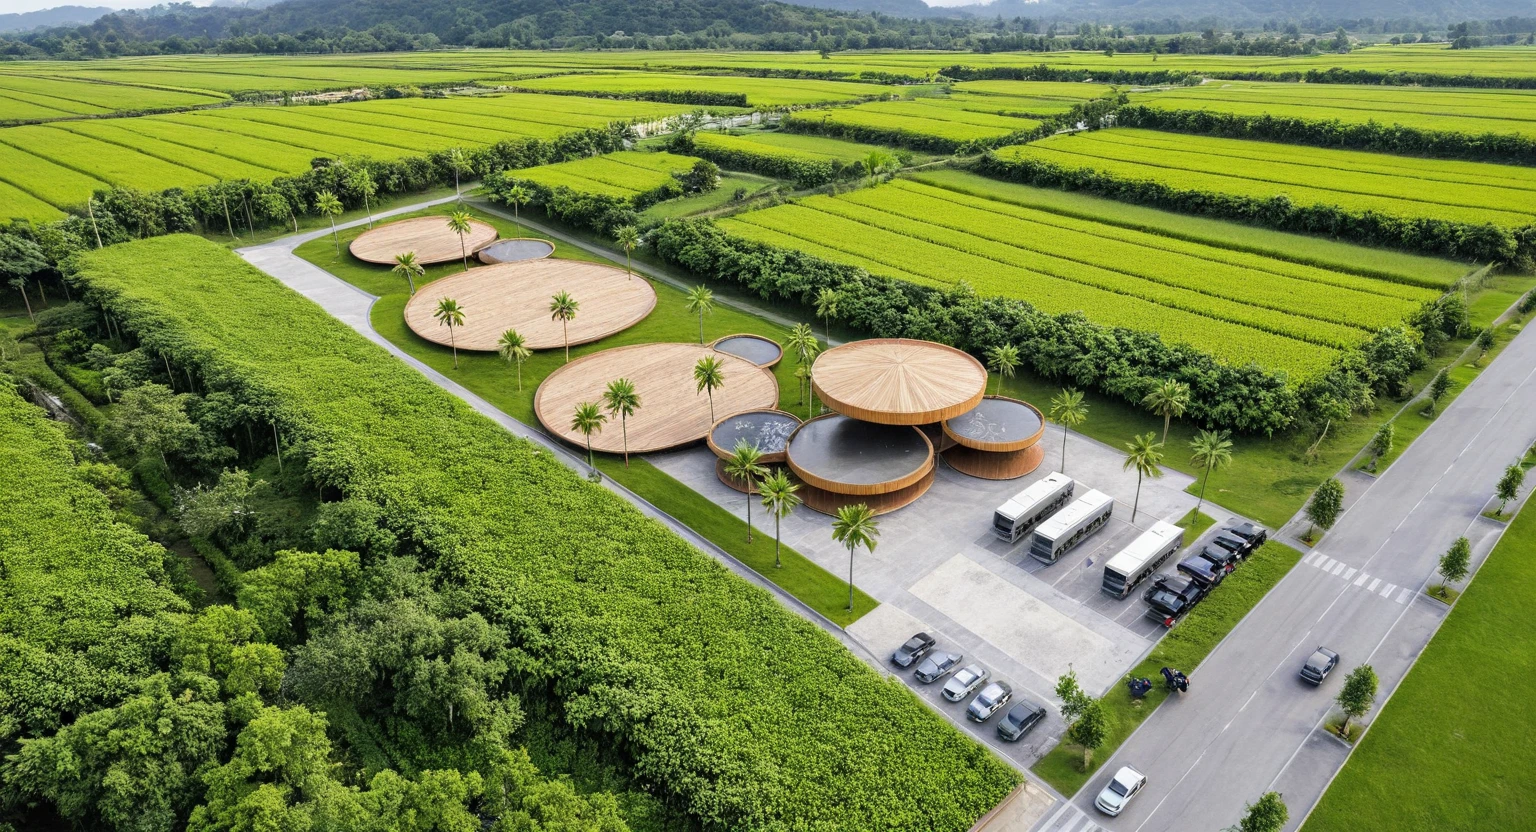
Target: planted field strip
[
  {"x": 792, "y": 145},
  {"x": 1349, "y": 179},
  {"x": 624, "y": 174},
  {"x": 44, "y": 180},
  {"x": 194, "y": 133},
  {"x": 15, "y": 108},
  {"x": 913, "y": 122},
  {"x": 18, "y": 204},
  {"x": 113, "y": 164},
  {"x": 198, "y": 159},
  {"x": 323, "y": 144},
  {"x": 313, "y": 120},
  {"x": 430, "y": 133},
  {"x": 759, "y": 92},
  {"x": 1074, "y": 91},
  {"x": 490, "y": 127},
  {"x": 64, "y": 97}
]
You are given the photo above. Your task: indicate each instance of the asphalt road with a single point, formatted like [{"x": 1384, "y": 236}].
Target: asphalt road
[{"x": 1248, "y": 724}]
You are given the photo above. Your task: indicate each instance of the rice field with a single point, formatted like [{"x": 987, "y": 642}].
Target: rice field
[
  {"x": 791, "y": 145},
  {"x": 922, "y": 122},
  {"x": 1029, "y": 99},
  {"x": 626, "y": 174},
  {"x": 765, "y": 93},
  {"x": 33, "y": 98}
]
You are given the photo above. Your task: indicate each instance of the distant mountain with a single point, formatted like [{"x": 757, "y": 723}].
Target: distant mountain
[
  {"x": 1230, "y": 11},
  {"x": 58, "y": 16}
]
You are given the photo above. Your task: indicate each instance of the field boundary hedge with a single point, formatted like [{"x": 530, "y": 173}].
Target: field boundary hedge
[
  {"x": 1334, "y": 75},
  {"x": 805, "y": 173},
  {"x": 699, "y": 98},
  {"x": 905, "y": 138}
]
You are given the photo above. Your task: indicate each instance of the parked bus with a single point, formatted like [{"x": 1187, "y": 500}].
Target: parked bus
[
  {"x": 1136, "y": 562},
  {"x": 1024, "y": 511},
  {"x": 1068, "y": 527}
]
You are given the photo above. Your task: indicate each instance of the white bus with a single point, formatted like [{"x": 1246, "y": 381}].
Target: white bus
[
  {"x": 1068, "y": 527},
  {"x": 1024, "y": 511},
  {"x": 1136, "y": 562}
]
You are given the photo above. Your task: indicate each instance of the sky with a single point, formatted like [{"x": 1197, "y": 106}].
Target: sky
[{"x": 7, "y": 6}]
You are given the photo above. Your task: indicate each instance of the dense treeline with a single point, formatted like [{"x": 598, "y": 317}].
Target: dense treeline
[
  {"x": 603, "y": 213},
  {"x": 812, "y": 122},
  {"x": 805, "y": 173}
]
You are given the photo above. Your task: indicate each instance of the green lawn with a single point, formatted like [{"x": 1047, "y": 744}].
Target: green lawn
[
  {"x": 1194, "y": 523},
  {"x": 496, "y": 381},
  {"x": 1452, "y": 749}
]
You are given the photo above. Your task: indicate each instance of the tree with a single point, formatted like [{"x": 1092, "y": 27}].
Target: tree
[
  {"x": 151, "y": 418},
  {"x": 1143, "y": 454},
  {"x": 362, "y": 182},
  {"x": 514, "y": 348},
  {"x": 1508, "y": 487},
  {"x": 1267, "y": 815},
  {"x": 459, "y": 164},
  {"x": 1357, "y": 696},
  {"x": 273, "y": 205},
  {"x": 1090, "y": 730},
  {"x": 701, "y": 301},
  {"x": 1381, "y": 443},
  {"x": 1213, "y": 452},
  {"x": 326, "y": 203},
  {"x": 802, "y": 342},
  {"x": 1484, "y": 342},
  {"x": 1326, "y": 505},
  {"x": 628, "y": 237},
  {"x": 587, "y": 420},
  {"x": 222, "y": 511},
  {"x": 1438, "y": 388},
  {"x": 20, "y": 258},
  {"x": 1168, "y": 399},
  {"x": 1455, "y": 563},
  {"x": 451, "y": 315},
  {"x": 855, "y": 526},
  {"x": 518, "y": 196},
  {"x": 745, "y": 466},
  {"x": 826, "y": 309},
  {"x": 877, "y": 162},
  {"x": 780, "y": 499},
  {"x": 1068, "y": 408},
  {"x": 563, "y": 308},
  {"x": 1003, "y": 360},
  {"x": 1074, "y": 700},
  {"x": 709, "y": 374},
  {"x": 622, "y": 401},
  {"x": 459, "y": 223},
  {"x": 407, "y": 267}
]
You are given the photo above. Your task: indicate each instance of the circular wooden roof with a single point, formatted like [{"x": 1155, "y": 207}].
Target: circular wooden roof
[
  {"x": 516, "y": 296},
  {"x": 897, "y": 381},
  {"x": 429, "y": 237},
  {"x": 850, "y": 456},
  {"x": 999, "y": 424}
]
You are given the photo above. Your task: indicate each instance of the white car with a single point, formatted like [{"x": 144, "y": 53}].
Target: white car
[
  {"x": 1126, "y": 784},
  {"x": 965, "y": 682}
]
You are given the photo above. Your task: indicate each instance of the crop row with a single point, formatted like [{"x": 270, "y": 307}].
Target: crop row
[
  {"x": 626, "y": 173},
  {"x": 25, "y": 97},
  {"x": 756, "y": 92},
  {"x": 109, "y": 163},
  {"x": 914, "y": 124}
]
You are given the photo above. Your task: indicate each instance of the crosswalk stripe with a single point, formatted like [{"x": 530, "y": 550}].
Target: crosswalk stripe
[
  {"x": 1374, "y": 584},
  {"x": 1328, "y": 564},
  {"x": 1065, "y": 807},
  {"x": 1308, "y": 559},
  {"x": 1362, "y": 579},
  {"x": 1340, "y": 568},
  {"x": 1072, "y": 824},
  {"x": 1350, "y": 573},
  {"x": 1402, "y": 597},
  {"x": 1387, "y": 590}
]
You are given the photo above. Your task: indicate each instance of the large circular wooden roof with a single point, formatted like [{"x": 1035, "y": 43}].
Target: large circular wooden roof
[
  {"x": 516, "y": 296},
  {"x": 429, "y": 237},
  {"x": 898, "y": 381}
]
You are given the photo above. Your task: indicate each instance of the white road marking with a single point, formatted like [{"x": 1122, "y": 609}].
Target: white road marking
[
  {"x": 1387, "y": 590},
  {"x": 1328, "y": 564},
  {"x": 1313, "y": 558},
  {"x": 1350, "y": 573},
  {"x": 1374, "y": 584},
  {"x": 1363, "y": 578},
  {"x": 1337, "y": 569},
  {"x": 1059, "y": 812},
  {"x": 1072, "y": 824},
  {"x": 1402, "y": 597}
]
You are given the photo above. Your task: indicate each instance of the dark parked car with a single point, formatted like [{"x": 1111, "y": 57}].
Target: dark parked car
[
  {"x": 991, "y": 700},
  {"x": 1251, "y": 532},
  {"x": 1319, "y": 665},
  {"x": 937, "y": 666},
  {"x": 915, "y": 648},
  {"x": 1232, "y": 543},
  {"x": 1225, "y": 558},
  {"x": 1019, "y": 719},
  {"x": 1169, "y": 598},
  {"x": 1208, "y": 575}
]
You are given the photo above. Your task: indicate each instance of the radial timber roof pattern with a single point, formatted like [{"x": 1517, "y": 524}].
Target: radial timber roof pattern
[
  {"x": 429, "y": 237},
  {"x": 897, "y": 381}
]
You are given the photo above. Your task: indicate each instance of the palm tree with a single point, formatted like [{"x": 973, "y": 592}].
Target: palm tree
[
  {"x": 855, "y": 526},
  {"x": 802, "y": 341},
  {"x": 458, "y": 223},
  {"x": 826, "y": 309},
  {"x": 327, "y": 204},
  {"x": 517, "y": 195},
  {"x": 457, "y": 162},
  {"x": 1143, "y": 454},
  {"x": 451, "y": 315},
  {"x": 745, "y": 466},
  {"x": 588, "y": 420},
  {"x": 1168, "y": 399},
  {"x": 622, "y": 401},
  {"x": 513, "y": 347},
  {"x": 628, "y": 238},
  {"x": 1212, "y": 451},
  {"x": 407, "y": 267},
  {"x": 710, "y": 375},
  {"x": 362, "y": 181},
  {"x": 779, "y": 499},
  {"x": 563, "y": 308},
  {"x": 702, "y": 301},
  {"x": 1068, "y": 408},
  {"x": 1003, "y": 360}
]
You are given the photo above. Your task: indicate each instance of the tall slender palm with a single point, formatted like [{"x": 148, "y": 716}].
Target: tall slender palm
[
  {"x": 1003, "y": 360},
  {"x": 459, "y": 223},
  {"x": 1212, "y": 451},
  {"x": 1068, "y": 408},
  {"x": 587, "y": 420},
  {"x": 802, "y": 342},
  {"x": 327, "y": 204},
  {"x": 407, "y": 267},
  {"x": 745, "y": 466},
  {"x": 709, "y": 374},
  {"x": 451, "y": 315},
  {"x": 1143, "y": 453},
  {"x": 362, "y": 182},
  {"x": 779, "y": 499},
  {"x": 855, "y": 526},
  {"x": 459, "y": 164},
  {"x": 622, "y": 401},
  {"x": 701, "y": 301},
  {"x": 1168, "y": 399},
  {"x": 826, "y": 309},
  {"x": 563, "y": 308},
  {"x": 517, "y": 195},
  {"x": 513, "y": 347},
  {"x": 628, "y": 238}
]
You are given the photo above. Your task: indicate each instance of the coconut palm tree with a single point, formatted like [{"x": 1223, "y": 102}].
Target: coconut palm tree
[
  {"x": 459, "y": 223},
  {"x": 459, "y": 164},
  {"x": 1143, "y": 454},
  {"x": 779, "y": 499},
  {"x": 514, "y": 348},
  {"x": 745, "y": 466},
  {"x": 826, "y": 309},
  {"x": 702, "y": 301},
  {"x": 327, "y": 204},
  {"x": 563, "y": 308},
  {"x": 628, "y": 238},
  {"x": 1212, "y": 451},
  {"x": 362, "y": 182},
  {"x": 451, "y": 315},
  {"x": 407, "y": 267},
  {"x": 1068, "y": 408},
  {"x": 622, "y": 401},
  {"x": 855, "y": 526},
  {"x": 517, "y": 195},
  {"x": 1003, "y": 360},
  {"x": 587, "y": 420},
  {"x": 1168, "y": 399},
  {"x": 802, "y": 342},
  {"x": 709, "y": 373}
]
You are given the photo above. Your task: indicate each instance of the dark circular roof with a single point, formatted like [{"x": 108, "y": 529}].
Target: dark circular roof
[
  {"x": 851, "y": 452},
  {"x": 754, "y": 348},
  {"x": 769, "y": 430},
  {"x": 997, "y": 424},
  {"x": 511, "y": 251}
]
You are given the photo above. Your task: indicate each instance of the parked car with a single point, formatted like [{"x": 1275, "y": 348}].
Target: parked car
[
  {"x": 1126, "y": 784},
  {"x": 965, "y": 682},
  {"x": 1318, "y": 665},
  {"x": 915, "y": 648},
  {"x": 1225, "y": 558},
  {"x": 1019, "y": 719},
  {"x": 937, "y": 666},
  {"x": 1232, "y": 543},
  {"x": 1251, "y": 532},
  {"x": 1208, "y": 575},
  {"x": 991, "y": 700},
  {"x": 1169, "y": 598}
]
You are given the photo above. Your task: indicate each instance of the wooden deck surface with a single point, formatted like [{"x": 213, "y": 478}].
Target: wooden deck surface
[
  {"x": 429, "y": 237},
  {"x": 898, "y": 381}
]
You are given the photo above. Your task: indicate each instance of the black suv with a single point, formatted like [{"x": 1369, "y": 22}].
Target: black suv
[
  {"x": 1019, "y": 719},
  {"x": 1208, "y": 575},
  {"x": 1169, "y": 598},
  {"x": 1225, "y": 558},
  {"x": 1232, "y": 543},
  {"x": 915, "y": 648},
  {"x": 1251, "y": 532}
]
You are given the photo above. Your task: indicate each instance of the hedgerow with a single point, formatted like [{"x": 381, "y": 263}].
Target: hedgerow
[
  {"x": 737, "y": 153},
  {"x": 745, "y": 714}
]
